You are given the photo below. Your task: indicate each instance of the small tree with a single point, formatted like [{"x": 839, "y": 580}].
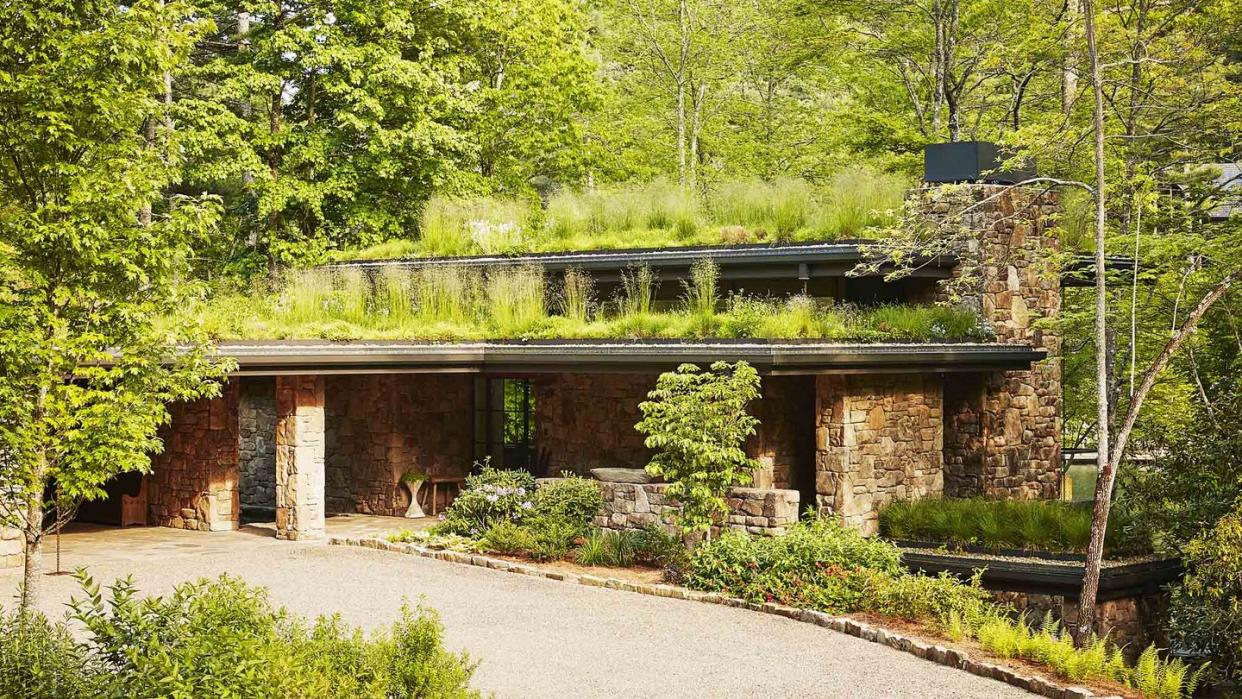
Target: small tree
[
  {"x": 90, "y": 270},
  {"x": 697, "y": 423}
]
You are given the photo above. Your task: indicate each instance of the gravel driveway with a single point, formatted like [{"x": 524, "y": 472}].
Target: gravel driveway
[{"x": 533, "y": 637}]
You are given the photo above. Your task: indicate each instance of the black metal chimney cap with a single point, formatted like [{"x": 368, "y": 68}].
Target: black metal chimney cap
[{"x": 970, "y": 161}]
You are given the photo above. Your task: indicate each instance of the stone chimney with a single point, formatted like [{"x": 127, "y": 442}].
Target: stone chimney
[{"x": 1002, "y": 433}]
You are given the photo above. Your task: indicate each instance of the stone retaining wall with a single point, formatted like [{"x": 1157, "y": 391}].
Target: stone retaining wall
[
  {"x": 194, "y": 481},
  {"x": 1131, "y": 622},
  {"x": 257, "y": 437},
  {"x": 637, "y": 506}
]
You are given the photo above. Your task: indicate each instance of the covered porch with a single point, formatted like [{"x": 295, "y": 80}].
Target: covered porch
[{"x": 308, "y": 430}]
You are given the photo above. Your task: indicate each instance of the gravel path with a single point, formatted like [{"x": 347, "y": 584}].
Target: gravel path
[{"x": 539, "y": 638}]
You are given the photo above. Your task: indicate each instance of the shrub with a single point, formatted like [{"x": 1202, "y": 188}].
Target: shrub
[
  {"x": 490, "y": 497},
  {"x": 813, "y": 565},
  {"x": 1206, "y": 611},
  {"x": 39, "y": 658},
  {"x": 920, "y": 597},
  {"x": 507, "y": 538},
  {"x": 221, "y": 638},
  {"x": 571, "y": 498},
  {"x": 551, "y": 537},
  {"x": 657, "y": 548},
  {"x": 696, "y": 421}
]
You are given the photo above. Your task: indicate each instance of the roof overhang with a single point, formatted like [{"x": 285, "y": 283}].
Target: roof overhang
[
  {"x": 271, "y": 358},
  {"x": 801, "y": 261}
]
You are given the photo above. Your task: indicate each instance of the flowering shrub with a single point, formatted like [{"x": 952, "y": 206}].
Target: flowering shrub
[{"x": 490, "y": 497}]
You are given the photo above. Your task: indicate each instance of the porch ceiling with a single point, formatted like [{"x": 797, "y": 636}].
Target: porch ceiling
[{"x": 268, "y": 358}]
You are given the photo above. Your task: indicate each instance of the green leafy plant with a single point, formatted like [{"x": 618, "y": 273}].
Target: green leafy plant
[
  {"x": 507, "y": 538},
  {"x": 491, "y": 496},
  {"x": 571, "y": 498},
  {"x": 1206, "y": 610},
  {"x": 696, "y": 421},
  {"x": 220, "y": 638}
]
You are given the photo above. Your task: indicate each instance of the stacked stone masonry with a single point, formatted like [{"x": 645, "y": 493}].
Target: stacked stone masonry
[
  {"x": 257, "y": 435},
  {"x": 380, "y": 426},
  {"x": 878, "y": 439},
  {"x": 194, "y": 481},
  {"x": 299, "y": 457},
  {"x": 10, "y": 548},
  {"x": 640, "y": 505},
  {"x": 1003, "y": 431},
  {"x": 586, "y": 421}
]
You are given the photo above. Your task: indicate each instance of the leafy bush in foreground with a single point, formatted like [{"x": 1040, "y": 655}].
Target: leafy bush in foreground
[
  {"x": 221, "y": 638},
  {"x": 1206, "y": 613}
]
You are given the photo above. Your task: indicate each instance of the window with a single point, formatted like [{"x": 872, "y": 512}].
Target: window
[{"x": 505, "y": 422}]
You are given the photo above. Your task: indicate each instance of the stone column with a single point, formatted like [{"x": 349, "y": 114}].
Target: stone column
[
  {"x": 1003, "y": 429},
  {"x": 878, "y": 439},
  {"x": 299, "y": 457}
]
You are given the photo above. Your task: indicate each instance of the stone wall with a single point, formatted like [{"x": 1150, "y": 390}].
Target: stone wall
[
  {"x": 10, "y": 548},
  {"x": 586, "y": 421},
  {"x": 878, "y": 438},
  {"x": 1003, "y": 433},
  {"x": 1133, "y": 622},
  {"x": 380, "y": 426},
  {"x": 784, "y": 442},
  {"x": 636, "y": 506},
  {"x": 257, "y": 442},
  {"x": 194, "y": 481}
]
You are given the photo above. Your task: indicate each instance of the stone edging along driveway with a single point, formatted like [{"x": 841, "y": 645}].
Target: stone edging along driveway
[{"x": 949, "y": 657}]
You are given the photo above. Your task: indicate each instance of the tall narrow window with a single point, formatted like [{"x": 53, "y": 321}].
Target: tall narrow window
[{"x": 505, "y": 422}]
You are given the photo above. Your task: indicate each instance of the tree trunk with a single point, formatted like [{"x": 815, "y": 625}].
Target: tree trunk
[
  {"x": 32, "y": 538},
  {"x": 1104, "y": 477},
  {"x": 683, "y": 56},
  {"x": 1069, "y": 71}
]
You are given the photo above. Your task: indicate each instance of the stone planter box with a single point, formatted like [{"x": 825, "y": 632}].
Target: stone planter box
[
  {"x": 1132, "y": 595},
  {"x": 1042, "y": 572}
]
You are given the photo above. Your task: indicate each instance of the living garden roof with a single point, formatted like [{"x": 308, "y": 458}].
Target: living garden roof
[{"x": 808, "y": 357}]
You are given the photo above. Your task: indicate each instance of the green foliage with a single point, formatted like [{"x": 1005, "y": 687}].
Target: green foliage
[
  {"x": 822, "y": 565},
  {"x": 39, "y": 658},
  {"x": 1206, "y": 612},
  {"x": 658, "y": 214},
  {"x": 697, "y": 424},
  {"x": 649, "y": 547},
  {"x": 221, "y": 638},
  {"x": 90, "y": 252},
  {"x": 570, "y": 498},
  {"x": 450, "y": 302},
  {"x": 492, "y": 496},
  {"x": 1021, "y": 524},
  {"x": 434, "y": 540},
  {"x": 814, "y": 564},
  {"x": 1195, "y": 478}
]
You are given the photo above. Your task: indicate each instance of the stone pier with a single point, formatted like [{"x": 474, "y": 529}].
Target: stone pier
[{"x": 299, "y": 457}]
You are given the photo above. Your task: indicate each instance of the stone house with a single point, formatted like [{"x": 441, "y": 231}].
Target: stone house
[{"x": 305, "y": 429}]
